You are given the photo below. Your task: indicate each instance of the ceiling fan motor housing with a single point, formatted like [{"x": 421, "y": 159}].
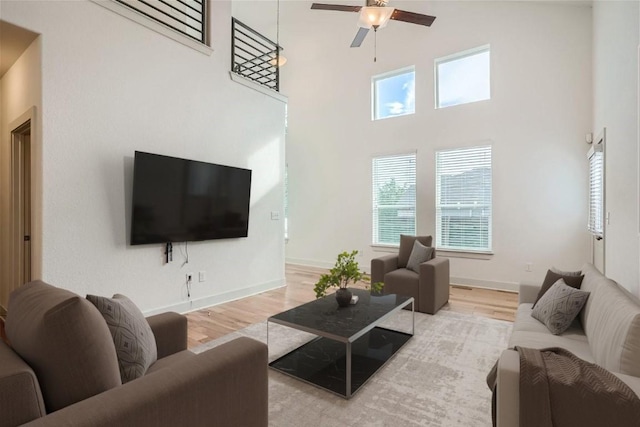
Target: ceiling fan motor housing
[{"x": 379, "y": 3}]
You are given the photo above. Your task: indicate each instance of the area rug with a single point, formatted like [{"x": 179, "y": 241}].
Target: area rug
[{"x": 436, "y": 379}]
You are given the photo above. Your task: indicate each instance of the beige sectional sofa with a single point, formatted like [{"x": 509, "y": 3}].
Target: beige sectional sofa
[
  {"x": 607, "y": 332},
  {"x": 62, "y": 371}
]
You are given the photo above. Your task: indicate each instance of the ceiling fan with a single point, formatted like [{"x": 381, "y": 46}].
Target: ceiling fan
[{"x": 376, "y": 15}]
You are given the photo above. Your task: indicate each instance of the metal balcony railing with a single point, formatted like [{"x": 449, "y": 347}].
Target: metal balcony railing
[
  {"x": 254, "y": 56},
  {"x": 187, "y": 17}
]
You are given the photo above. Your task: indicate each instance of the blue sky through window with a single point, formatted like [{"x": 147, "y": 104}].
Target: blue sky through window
[
  {"x": 395, "y": 95},
  {"x": 463, "y": 80}
]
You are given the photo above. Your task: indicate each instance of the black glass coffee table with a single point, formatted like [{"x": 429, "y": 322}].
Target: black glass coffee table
[{"x": 350, "y": 346}]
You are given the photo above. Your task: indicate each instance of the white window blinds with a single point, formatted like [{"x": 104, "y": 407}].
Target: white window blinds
[
  {"x": 596, "y": 181},
  {"x": 463, "y": 199},
  {"x": 394, "y": 198}
]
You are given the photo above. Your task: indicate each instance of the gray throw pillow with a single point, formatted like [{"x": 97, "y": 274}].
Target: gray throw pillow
[
  {"x": 559, "y": 306},
  {"x": 406, "y": 246},
  {"x": 133, "y": 338},
  {"x": 571, "y": 278},
  {"x": 419, "y": 254}
]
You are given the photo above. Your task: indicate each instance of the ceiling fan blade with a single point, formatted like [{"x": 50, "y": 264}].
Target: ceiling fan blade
[
  {"x": 359, "y": 38},
  {"x": 338, "y": 7},
  {"x": 413, "y": 18}
]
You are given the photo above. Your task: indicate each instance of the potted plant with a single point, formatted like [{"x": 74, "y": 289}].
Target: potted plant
[{"x": 345, "y": 271}]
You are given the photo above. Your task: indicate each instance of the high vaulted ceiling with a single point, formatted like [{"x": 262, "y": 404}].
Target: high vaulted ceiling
[{"x": 14, "y": 41}]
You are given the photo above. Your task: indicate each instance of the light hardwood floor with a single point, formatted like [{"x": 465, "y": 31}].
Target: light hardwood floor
[{"x": 214, "y": 322}]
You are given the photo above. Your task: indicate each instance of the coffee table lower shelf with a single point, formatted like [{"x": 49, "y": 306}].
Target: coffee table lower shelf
[{"x": 323, "y": 362}]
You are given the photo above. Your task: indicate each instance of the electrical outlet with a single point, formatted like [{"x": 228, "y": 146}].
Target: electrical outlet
[
  {"x": 528, "y": 267},
  {"x": 189, "y": 278},
  {"x": 202, "y": 276}
]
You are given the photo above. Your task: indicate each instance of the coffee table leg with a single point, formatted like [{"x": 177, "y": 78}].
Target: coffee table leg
[
  {"x": 413, "y": 317},
  {"x": 348, "y": 394}
]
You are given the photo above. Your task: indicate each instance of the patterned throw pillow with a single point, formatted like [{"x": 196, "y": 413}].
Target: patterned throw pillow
[
  {"x": 419, "y": 254},
  {"x": 571, "y": 278},
  {"x": 559, "y": 306},
  {"x": 131, "y": 333}
]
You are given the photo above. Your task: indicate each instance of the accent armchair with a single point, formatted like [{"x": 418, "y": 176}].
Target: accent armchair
[{"x": 429, "y": 286}]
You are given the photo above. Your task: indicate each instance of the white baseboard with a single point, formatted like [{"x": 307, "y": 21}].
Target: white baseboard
[
  {"x": 485, "y": 284},
  {"x": 211, "y": 300}
]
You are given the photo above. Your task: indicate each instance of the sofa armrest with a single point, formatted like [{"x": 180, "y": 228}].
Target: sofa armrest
[
  {"x": 19, "y": 390},
  {"x": 508, "y": 390},
  {"x": 170, "y": 331},
  {"x": 434, "y": 285},
  {"x": 224, "y": 386},
  {"x": 381, "y": 266},
  {"x": 528, "y": 292}
]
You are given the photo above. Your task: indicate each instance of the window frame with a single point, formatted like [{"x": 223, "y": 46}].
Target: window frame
[
  {"x": 374, "y": 92},
  {"x": 454, "y": 57},
  {"x": 375, "y": 219},
  {"x": 160, "y": 28},
  {"x": 488, "y": 250}
]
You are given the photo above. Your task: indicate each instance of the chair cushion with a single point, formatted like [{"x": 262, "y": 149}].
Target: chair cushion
[
  {"x": 402, "y": 282},
  {"x": 132, "y": 336},
  {"x": 419, "y": 254},
  {"x": 406, "y": 246},
  {"x": 65, "y": 340}
]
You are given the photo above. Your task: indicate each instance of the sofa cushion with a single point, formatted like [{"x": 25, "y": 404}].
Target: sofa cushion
[
  {"x": 406, "y": 246},
  {"x": 559, "y": 306},
  {"x": 612, "y": 326},
  {"x": 419, "y": 254},
  {"x": 545, "y": 340},
  {"x": 132, "y": 336},
  {"x": 526, "y": 323},
  {"x": 170, "y": 360},
  {"x": 65, "y": 340},
  {"x": 553, "y": 275},
  {"x": 402, "y": 282}
]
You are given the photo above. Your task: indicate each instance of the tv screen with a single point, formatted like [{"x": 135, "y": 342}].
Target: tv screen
[{"x": 179, "y": 200}]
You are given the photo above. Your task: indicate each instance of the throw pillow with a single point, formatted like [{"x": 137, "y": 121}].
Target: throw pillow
[
  {"x": 65, "y": 340},
  {"x": 559, "y": 306},
  {"x": 133, "y": 338},
  {"x": 419, "y": 254},
  {"x": 573, "y": 279},
  {"x": 406, "y": 246}
]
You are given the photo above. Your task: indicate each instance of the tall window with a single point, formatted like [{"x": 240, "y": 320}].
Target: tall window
[
  {"x": 596, "y": 181},
  {"x": 463, "y": 199},
  {"x": 463, "y": 77},
  {"x": 393, "y": 94},
  {"x": 394, "y": 198}
]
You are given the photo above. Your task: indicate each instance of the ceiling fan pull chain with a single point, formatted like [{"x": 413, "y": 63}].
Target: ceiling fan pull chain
[{"x": 375, "y": 44}]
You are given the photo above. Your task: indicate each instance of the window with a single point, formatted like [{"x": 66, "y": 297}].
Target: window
[
  {"x": 394, "y": 198},
  {"x": 596, "y": 181},
  {"x": 463, "y": 77},
  {"x": 184, "y": 16},
  {"x": 463, "y": 199},
  {"x": 393, "y": 94}
]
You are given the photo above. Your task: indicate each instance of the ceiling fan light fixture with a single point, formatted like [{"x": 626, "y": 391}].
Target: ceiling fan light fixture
[
  {"x": 375, "y": 16},
  {"x": 279, "y": 63}
]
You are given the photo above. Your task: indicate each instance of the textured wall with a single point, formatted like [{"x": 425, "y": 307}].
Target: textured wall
[
  {"x": 536, "y": 120},
  {"x": 111, "y": 86}
]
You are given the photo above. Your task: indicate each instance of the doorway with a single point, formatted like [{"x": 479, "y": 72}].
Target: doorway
[{"x": 21, "y": 203}]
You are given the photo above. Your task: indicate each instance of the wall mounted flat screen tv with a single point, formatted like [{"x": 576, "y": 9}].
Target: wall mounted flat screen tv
[{"x": 179, "y": 200}]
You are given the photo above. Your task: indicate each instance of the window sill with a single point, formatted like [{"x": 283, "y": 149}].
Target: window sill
[
  {"x": 385, "y": 248},
  {"x": 464, "y": 254},
  {"x": 258, "y": 87},
  {"x": 131, "y": 14}
]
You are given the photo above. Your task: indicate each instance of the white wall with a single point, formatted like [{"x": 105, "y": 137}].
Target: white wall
[
  {"x": 20, "y": 91},
  {"x": 536, "y": 120},
  {"x": 615, "y": 106},
  {"x": 111, "y": 86}
]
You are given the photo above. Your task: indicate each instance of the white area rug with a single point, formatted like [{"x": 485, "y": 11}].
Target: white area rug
[{"x": 436, "y": 379}]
